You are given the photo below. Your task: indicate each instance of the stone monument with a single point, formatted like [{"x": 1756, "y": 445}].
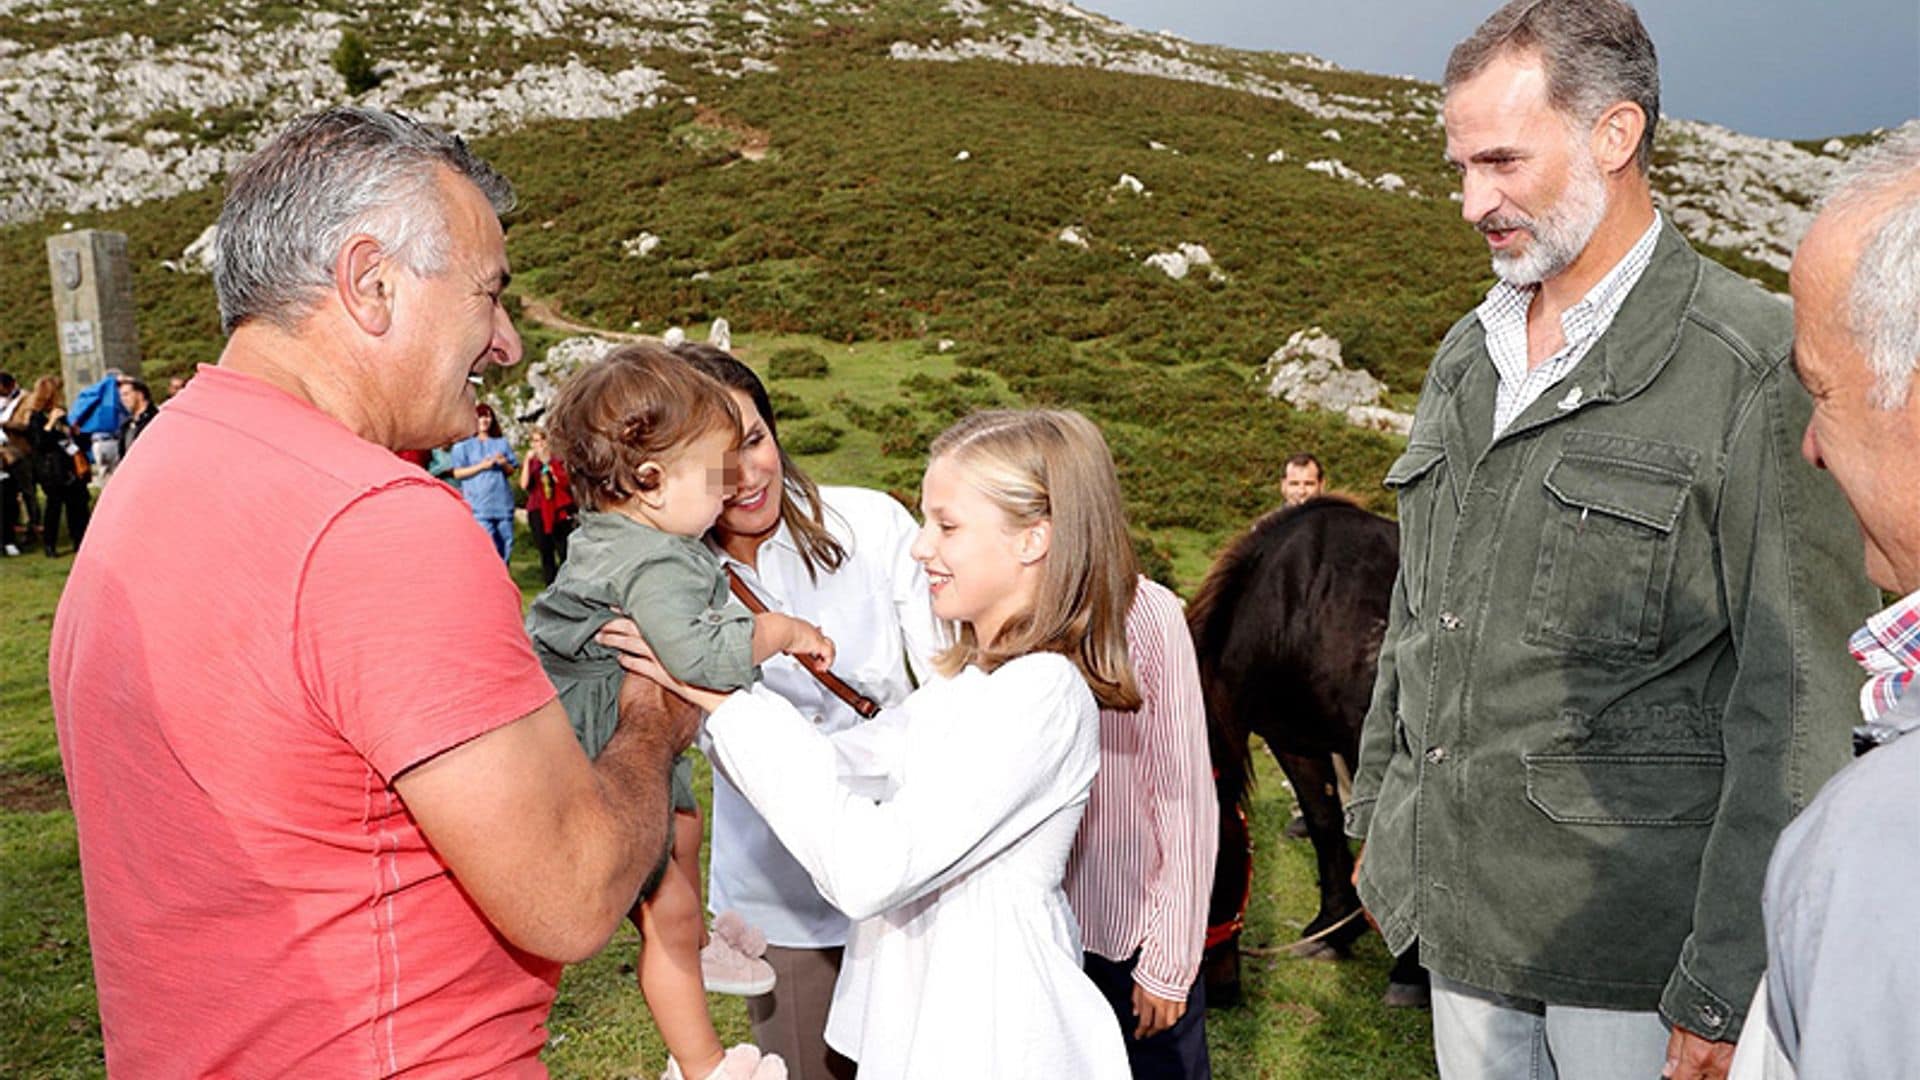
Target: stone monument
[{"x": 92, "y": 306}]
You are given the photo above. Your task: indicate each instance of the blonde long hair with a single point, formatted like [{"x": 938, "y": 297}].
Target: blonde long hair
[{"x": 1053, "y": 466}]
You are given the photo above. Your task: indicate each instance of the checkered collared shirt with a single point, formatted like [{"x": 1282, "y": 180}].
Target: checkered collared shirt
[
  {"x": 1888, "y": 647},
  {"x": 1504, "y": 315}
]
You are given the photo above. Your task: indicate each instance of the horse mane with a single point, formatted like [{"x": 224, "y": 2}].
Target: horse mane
[{"x": 1207, "y": 620}]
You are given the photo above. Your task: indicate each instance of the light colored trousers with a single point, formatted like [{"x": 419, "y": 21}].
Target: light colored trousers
[{"x": 1481, "y": 1035}]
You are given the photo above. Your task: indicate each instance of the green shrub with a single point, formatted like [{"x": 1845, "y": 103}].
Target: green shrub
[
  {"x": 1155, "y": 561},
  {"x": 818, "y": 437},
  {"x": 797, "y": 364},
  {"x": 355, "y": 64},
  {"x": 788, "y": 405}
]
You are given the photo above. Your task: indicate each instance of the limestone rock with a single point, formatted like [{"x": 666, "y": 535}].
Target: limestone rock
[
  {"x": 1309, "y": 374},
  {"x": 1130, "y": 183},
  {"x": 1073, "y": 236},
  {"x": 1171, "y": 263},
  {"x": 639, "y": 247},
  {"x": 1337, "y": 169},
  {"x": 720, "y": 335},
  {"x": 1276, "y": 157},
  {"x": 523, "y": 405},
  {"x": 674, "y": 336},
  {"x": 198, "y": 256}
]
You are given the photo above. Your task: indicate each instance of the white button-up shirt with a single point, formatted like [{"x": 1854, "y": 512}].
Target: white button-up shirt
[
  {"x": 1504, "y": 315},
  {"x": 877, "y": 610}
]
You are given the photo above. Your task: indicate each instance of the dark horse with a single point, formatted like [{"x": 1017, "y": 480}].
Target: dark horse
[{"x": 1287, "y": 628}]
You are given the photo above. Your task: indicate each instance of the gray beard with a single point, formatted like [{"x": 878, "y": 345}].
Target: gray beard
[{"x": 1560, "y": 234}]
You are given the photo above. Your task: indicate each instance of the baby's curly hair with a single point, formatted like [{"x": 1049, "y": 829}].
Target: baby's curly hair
[{"x": 639, "y": 403}]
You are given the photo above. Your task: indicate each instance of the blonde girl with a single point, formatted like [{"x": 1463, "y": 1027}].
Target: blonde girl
[{"x": 943, "y": 826}]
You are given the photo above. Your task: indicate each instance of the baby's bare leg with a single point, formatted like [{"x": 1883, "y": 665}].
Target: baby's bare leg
[
  {"x": 686, "y": 854},
  {"x": 671, "y": 925}
]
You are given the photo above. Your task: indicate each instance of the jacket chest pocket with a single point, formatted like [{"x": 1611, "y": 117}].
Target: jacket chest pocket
[
  {"x": 1607, "y": 546},
  {"x": 1416, "y": 479}
]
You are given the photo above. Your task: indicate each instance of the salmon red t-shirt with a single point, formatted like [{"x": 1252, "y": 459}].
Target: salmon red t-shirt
[{"x": 270, "y": 619}]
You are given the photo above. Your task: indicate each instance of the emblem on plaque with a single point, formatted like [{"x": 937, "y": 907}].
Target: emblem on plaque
[{"x": 69, "y": 269}]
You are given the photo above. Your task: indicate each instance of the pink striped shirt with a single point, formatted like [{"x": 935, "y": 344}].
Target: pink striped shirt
[{"x": 1142, "y": 866}]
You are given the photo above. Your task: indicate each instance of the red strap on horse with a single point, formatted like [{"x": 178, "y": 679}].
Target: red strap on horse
[{"x": 1221, "y": 933}]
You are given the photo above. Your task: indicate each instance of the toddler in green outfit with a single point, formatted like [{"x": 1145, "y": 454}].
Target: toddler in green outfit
[{"x": 649, "y": 443}]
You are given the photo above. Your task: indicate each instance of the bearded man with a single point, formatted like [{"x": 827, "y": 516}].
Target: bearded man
[{"x": 1613, "y": 668}]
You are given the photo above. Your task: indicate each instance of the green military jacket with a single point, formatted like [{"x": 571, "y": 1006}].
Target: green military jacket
[{"x": 1616, "y": 662}]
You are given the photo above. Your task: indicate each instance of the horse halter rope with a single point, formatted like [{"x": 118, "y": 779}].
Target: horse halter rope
[{"x": 859, "y": 703}]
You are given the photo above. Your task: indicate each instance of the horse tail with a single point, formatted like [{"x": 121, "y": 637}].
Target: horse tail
[{"x": 1210, "y": 619}]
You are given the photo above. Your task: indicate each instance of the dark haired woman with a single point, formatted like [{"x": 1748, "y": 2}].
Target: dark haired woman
[
  {"x": 838, "y": 557},
  {"x": 55, "y": 456},
  {"x": 481, "y": 465}
]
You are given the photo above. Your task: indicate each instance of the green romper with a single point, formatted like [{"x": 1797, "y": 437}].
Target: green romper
[{"x": 673, "y": 588}]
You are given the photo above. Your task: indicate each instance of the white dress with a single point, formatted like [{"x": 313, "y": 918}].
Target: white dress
[
  {"x": 942, "y": 828},
  {"x": 875, "y": 608}
]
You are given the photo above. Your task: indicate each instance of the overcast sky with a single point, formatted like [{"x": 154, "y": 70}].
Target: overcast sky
[{"x": 1791, "y": 69}]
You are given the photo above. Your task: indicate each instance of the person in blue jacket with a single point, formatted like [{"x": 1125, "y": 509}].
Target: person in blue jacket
[{"x": 481, "y": 465}]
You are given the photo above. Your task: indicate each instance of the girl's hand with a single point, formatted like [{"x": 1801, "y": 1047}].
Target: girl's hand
[
  {"x": 810, "y": 646},
  {"x": 622, "y": 636}
]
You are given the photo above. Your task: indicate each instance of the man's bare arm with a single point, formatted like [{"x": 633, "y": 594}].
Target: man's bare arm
[{"x": 553, "y": 848}]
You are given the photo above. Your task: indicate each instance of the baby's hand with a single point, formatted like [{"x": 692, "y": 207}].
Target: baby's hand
[{"x": 810, "y": 646}]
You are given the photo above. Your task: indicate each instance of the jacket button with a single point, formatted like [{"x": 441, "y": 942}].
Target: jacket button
[
  {"x": 1449, "y": 621},
  {"x": 1711, "y": 1016},
  {"x": 1436, "y": 755}
]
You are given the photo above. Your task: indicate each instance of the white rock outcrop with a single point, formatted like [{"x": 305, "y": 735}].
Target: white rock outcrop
[
  {"x": 1130, "y": 183},
  {"x": 1171, "y": 263},
  {"x": 198, "y": 256},
  {"x": 1183, "y": 260},
  {"x": 720, "y": 335},
  {"x": 1073, "y": 236},
  {"x": 1337, "y": 169},
  {"x": 639, "y": 247},
  {"x": 94, "y": 123},
  {"x": 522, "y": 405},
  {"x": 1308, "y": 373}
]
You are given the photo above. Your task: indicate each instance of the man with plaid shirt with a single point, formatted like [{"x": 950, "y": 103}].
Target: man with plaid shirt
[
  {"x": 1612, "y": 669},
  {"x": 1843, "y": 974}
]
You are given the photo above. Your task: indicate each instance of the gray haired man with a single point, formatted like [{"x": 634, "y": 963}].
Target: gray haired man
[
  {"x": 1843, "y": 961},
  {"x": 332, "y": 819},
  {"x": 1611, "y": 672}
]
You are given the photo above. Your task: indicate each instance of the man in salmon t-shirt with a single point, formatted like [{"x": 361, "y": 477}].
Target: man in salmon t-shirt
[{"x": 332, "y": 819}]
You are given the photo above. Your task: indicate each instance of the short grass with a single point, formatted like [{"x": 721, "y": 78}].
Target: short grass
[{"x": 1301, "y": 1019}]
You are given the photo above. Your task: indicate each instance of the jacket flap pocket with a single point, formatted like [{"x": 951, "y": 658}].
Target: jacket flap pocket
[
  {"x": 1415, "y": 463},
  {"x": 1625, "y": 789},
  {"x": 1631, "y": 490}
]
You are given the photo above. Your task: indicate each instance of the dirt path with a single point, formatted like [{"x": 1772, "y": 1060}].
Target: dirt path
[
  {"x": 544, "y": 313},
  {"x": 23, "y": 792}
]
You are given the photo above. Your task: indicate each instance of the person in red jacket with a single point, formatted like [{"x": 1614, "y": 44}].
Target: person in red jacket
[{"x": 549, "y": 504}]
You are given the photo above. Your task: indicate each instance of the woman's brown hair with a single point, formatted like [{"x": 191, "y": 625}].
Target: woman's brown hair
[
  {"x": 1051, "y": 465},
  {"x": 800, "y": 507},
  {"x": 484, "y": 411},
  {"x": 43, "y": 397},
  {"x": 639, "y": 403}
]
